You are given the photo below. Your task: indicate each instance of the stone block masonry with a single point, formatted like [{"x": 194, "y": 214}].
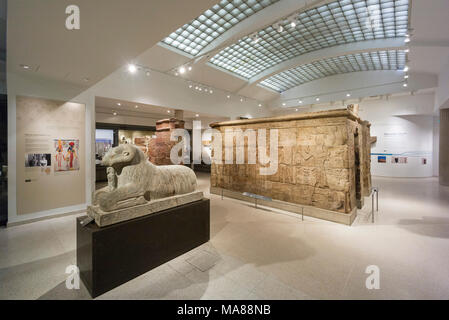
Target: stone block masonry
[{"x": 323, "y": 160}]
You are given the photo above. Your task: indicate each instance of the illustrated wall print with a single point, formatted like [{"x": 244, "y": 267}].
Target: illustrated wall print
[
  {"x": 382, "y": 159},
  {"x": 66, "y": 155}
]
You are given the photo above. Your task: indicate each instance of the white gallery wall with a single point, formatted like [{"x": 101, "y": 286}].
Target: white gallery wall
[{"x": 404, "y": 127}]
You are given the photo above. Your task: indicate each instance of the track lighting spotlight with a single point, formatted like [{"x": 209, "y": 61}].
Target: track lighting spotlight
[{"x": 132, "y": 68}]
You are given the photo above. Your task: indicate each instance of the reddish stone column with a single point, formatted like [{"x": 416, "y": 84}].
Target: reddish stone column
[{"x": 159, "y": 148}]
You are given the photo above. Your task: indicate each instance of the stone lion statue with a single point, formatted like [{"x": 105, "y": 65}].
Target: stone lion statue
[{"x": 133, "y": 180}]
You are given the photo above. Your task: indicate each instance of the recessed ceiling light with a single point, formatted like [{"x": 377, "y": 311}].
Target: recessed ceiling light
[
  {"x": 205, "y": 90},
  {"x": 296, "y": 109},
  {"x": 119, "y": 104},
  {"x": 241, "y": 99},
  {"x": 176, "y": 74},
  {"x": 228, "y": 96},
  {"x": 201, "y": 89},
  {"x": 197, "y": 115},
  {"x": 136, "y": 106},
  {"x": 132, "y": 68},
  {"x": 25, "y": 66},
  {"x": 148, "y": 73},
  {"x": 293, "y": 24},
  {"x": 405, "y": 85},
  {"x": 114, "y": 113},
  {"x": 407, "y": 50},
  {"x": 182, "y": 70},
  {"x": 283, "y": 103},
  {"x": 190, "y": 86},
  {"x": 260, "y": 104},
  {"x": 168, "y": 111},
  {"x": 348, "y": 94},
  {"x": 300, "y": 101},
  {"x": 407, "y": 40},
  {"x": 406, "y": 76},
  {"x": 190, "y": 68},
  {"x": 405, "y": 69},
  {"x": 317, "y": 99},
  {"x": 210, "y": 91}
]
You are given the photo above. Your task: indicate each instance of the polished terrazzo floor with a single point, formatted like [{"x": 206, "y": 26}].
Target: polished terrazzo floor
[{"x": 264, "y": 253}]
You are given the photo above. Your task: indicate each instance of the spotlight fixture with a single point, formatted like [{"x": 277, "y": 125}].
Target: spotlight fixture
[
  {"x": 278, "y": 27},
  {"x": 300, "y": 101},
  {"x": 119, "y": 104},
  {"x": 196, "y": 88},
  {"x": 176, "y": 74},
  {"x": 241, "y": 99},
  {"x": 210, "y": 91},
  {"x": 182, "y": 70},
  {"x": 348, "y": 95},
  {"x": 132, "y": 68},
  {"x": 283, "y": 103},
  {"x": 205, "y": 90},
  {"x": 292, "y": 21},
  {"x": 255, "y": 38},
  {"x": 190, "y": 86},
  {"x": 260, "y": 104},
  {"x": 168, "y": 111},
  {"x": 405, "y": 85},
  {"x": 200, "y": 89},
  {"x": 228, "y": 96},
  {"x": 114, "y": 113},
  {"x": 189, "y": 68},
  {"x": 317, "y": 99}
]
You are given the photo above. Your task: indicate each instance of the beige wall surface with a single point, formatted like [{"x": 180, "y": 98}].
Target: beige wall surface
[{"x": 39, "y": 123}]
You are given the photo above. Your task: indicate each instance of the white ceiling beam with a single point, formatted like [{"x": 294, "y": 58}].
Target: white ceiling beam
[{"x": 326, "y": 53}]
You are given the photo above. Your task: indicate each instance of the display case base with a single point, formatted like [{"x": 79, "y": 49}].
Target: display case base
[{"x": 110, "y": 256}]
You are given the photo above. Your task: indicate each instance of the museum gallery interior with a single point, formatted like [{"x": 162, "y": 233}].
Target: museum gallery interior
[{"x": 233, "y": 149}]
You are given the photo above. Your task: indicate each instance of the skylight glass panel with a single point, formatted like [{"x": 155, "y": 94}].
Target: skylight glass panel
[
  {"x": 335, "y": 23},
  {"x": 367, "y": 61},
  {"x": 213, "y": 23}
]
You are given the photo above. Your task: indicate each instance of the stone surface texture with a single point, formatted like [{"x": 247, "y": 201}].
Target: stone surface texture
[
  {"x": 323, "y": 160},
  {"x": 103, "y": 219},
  {"x": 159, "y": 148},
  {"x": 134, "y": 181}
]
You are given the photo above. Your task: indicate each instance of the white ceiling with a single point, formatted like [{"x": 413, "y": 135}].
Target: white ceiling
[
  {"x": 103, "y": 104},
  {"x": 112, "y": 33},
  {"x": 116, "y": 32}
]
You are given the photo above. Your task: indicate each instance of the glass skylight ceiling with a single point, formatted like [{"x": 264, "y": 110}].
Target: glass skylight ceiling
[
  {"x": 335, "y": 23},
  {"x": 367, "y": 61},
  {"x": 194, "y": 36}
]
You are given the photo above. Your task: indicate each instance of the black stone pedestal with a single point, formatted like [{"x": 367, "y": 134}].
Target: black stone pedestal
[{"x": 110, "y": 256}]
